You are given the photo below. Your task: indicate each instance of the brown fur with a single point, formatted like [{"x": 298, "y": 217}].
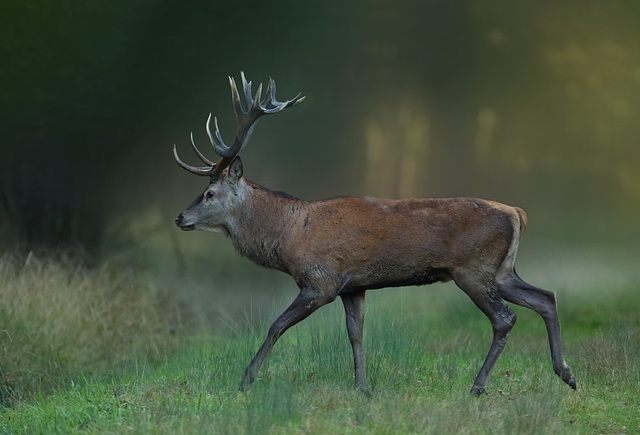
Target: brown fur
[{"x": 372, "y": 243}]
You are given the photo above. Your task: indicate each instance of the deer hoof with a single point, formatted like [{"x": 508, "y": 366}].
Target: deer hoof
[
  {"x": 363, "y": 389},
  {"x": 567, "y": 377},
  {"x": 570, "y": 379},
  {"x": 247, "y": 380},
  {"x": 477, "y": 390}
]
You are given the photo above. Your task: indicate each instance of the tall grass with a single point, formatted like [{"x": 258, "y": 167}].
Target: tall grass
[{"x": 61, "y": 320}]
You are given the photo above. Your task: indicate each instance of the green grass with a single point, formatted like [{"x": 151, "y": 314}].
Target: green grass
[{"x": 424, "y": 347}]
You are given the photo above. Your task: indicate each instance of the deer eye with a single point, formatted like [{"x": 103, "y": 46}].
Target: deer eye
[{"x": 209, "y": 194}]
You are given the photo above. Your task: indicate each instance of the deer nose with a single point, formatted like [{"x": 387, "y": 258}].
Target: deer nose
[{"x": 179, "y": 220}]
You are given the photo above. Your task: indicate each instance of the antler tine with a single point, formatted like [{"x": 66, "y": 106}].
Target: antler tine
[
  {"x": 193, "y": 169},
  {"x": 296, "y": 100},
  {"x": 197, "y": 151},
  {"x": 246, "y": 86},
  {"x": 271, "y": 105},
  {"x": 235, "y": 95},
  {"x": 256, "y": 108},
  {"x": 217, "y": 132},
  {"x": 217, "y": 142}
]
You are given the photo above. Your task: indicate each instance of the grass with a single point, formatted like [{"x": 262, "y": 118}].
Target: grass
[
  {"x": 90, "y": 351},
  {"x": 59, "y": 318}
]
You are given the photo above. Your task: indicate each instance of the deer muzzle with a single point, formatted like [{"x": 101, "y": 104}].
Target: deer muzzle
[{"x": 183, "y": 225}]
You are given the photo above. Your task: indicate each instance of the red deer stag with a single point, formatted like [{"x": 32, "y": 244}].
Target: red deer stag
[{"x": 346, "y": 246}]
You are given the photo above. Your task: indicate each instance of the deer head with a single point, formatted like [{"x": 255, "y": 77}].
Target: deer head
[{"x": 226, "y": 190}]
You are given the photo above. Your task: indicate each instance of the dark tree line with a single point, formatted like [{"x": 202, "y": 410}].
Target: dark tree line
[{"x": 522, "y": 103}]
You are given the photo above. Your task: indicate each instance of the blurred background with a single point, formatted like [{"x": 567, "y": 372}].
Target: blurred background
[{"x": 532, "y": 103}]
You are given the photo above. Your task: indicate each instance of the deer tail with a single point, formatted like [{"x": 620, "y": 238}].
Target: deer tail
[{"x": 522, "y": 218}]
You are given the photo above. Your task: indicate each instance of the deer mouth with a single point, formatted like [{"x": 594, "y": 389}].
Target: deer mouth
[{"x": 181, "y": 224}]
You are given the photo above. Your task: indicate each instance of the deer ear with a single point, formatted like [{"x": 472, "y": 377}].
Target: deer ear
[{"x": 235, "y": 170}]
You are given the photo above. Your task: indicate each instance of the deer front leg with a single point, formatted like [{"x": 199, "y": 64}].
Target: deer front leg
[
  {"x": 304, "y": 304},
  {"x": 354, "y": 309}
]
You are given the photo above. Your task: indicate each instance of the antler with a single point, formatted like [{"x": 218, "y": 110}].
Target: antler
[{"x": 245, "y": 122}]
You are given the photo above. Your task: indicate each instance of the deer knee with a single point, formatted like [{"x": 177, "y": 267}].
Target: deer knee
[{"x": 503, "y": 320}]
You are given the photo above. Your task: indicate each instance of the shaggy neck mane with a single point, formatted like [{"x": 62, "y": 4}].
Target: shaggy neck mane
[{"x": 263, "y": 225}]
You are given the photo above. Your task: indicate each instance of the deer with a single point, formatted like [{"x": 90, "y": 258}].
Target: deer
[{"x": 344, "y": 246}]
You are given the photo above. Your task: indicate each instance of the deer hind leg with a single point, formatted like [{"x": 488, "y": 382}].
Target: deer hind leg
[
  {"x": 502, "y": 319},
  {"x": 354, "y": 310},
  {"x": 515, "y": 290}
]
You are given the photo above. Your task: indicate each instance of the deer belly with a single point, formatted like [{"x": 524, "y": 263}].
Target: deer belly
[{"x": 382, "y": 277}]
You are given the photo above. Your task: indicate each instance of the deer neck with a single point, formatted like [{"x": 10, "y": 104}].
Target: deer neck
[{"x": 262, "y": 227}]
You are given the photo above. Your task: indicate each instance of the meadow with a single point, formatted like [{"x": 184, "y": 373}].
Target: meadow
[{"x": 102, "y": 349}]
